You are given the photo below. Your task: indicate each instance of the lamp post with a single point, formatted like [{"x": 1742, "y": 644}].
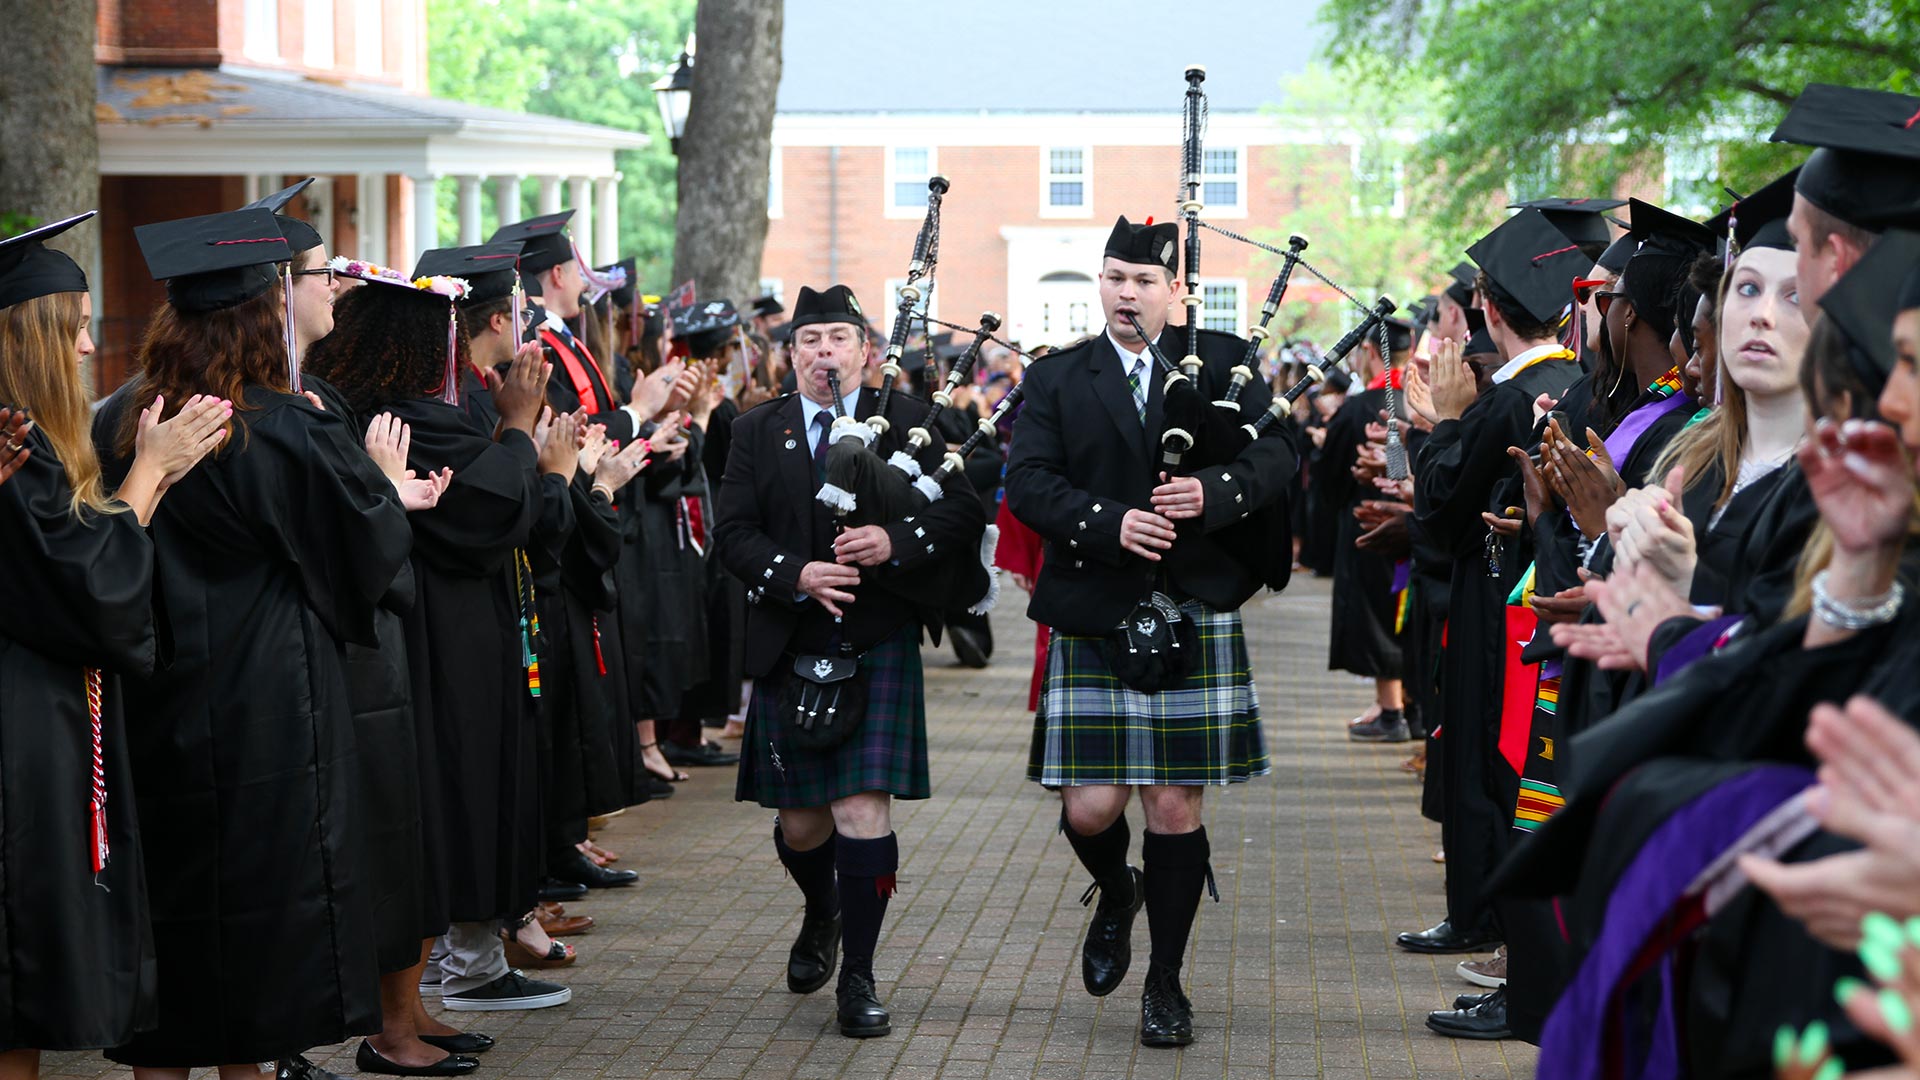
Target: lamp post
[{"x": 673, "y": 92}]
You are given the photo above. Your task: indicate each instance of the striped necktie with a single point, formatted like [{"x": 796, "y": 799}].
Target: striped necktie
[{"x": 1135, "y": 368}]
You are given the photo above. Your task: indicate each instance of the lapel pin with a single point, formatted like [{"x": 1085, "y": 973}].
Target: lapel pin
[{"x": 791, "y": 444}]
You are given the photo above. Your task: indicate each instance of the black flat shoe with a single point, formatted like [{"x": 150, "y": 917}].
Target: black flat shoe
[
  {"x": 1445, "y": 939},
  {"x": 298, "y": 1067},
  {"x": 466, "y": 1042},
  {"x": 1107, "y": 951},
  {"x": 974, "y": 649},
  {"x": 584, "y": 871},
  {"x": 859, "y": 1010},
  {"x": 1487, "y": 1020},
  {"x": 815, "y": 954},
  {"x": 705, "y": 754},
  {"x": 553, "y": 889},
  {"x": 368, "y": 1060},
  {"x": 1166, "y": 1016},
  {"x": 1468, "y": 1001}
]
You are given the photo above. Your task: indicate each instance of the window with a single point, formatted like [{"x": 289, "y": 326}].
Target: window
[
  {"x": 1220, "y": 306},
  {"x": 774, "y": 170},
  {"x": 262, "y": 30},
  {"x": 908, "y": 168},
  {"x": 369, "y": 36},
  {"x": 1223, "y": 180},
  {"x": 772, "y": 286},
  {"x": 319, "y": 33},
  {"x": 925, "y": 307},
  {"x": 1690, "y": 174},
  {"x": 1065, "y": 188},
  {"x": 1379, "y": 181}
]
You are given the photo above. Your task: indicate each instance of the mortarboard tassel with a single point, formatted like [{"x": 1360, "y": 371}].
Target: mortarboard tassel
[
  {"x": 450, "y": 387},
  {"x": 293, "y": 353},
  {"x": 97, "y": 812}
]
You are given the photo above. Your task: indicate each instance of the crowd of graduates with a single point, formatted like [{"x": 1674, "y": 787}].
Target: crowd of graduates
[{"x": 1637, "y": 588}]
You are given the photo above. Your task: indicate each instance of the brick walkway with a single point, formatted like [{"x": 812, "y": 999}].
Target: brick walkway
[{"x": 1294, "y": 974}]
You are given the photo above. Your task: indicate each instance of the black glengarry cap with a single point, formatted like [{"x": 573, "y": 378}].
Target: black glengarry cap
[
  {"x": 215, "y": 261},
  {"x": 835, "y": 304},
  {"x": 1149, "y": 244},
  {"x": 29, "y": 269}
]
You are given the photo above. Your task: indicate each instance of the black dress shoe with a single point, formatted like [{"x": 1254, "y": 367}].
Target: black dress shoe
[
  {"x": 298, "y": 1067},
  {"x": 860, "y": 1013},
  {"x": 702, "y": 755},
  {"x": 1487, "y": 1020},
  {"x": 1166, "y": 1016},
  {"x": 1108, "y": 950},
  {"x": 1445, "y": 939},
  {"x": 368, "y": 1060},
  {"x": 973, "y": 648},
  {"x": 465, "y": 1042},
  {"x": 815, "y": 953},
  {"x": 656, "y": 787},
  {"x": 1464, "y": 1001},
  {"x": 557, "y": 890},
  {"x": 584, "y": 871}
]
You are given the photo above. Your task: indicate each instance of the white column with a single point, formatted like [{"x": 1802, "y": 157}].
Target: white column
[
  {"x": 506, "y": 197},
  {"x": 606, "y": 218},
  {"x": 371, "y": 211},
  {"x": 469, "y": 203},
  {"x": 426, "y": 224},
  {"x": 549, "y": 200},
  {"x": 579, "y": 197}
]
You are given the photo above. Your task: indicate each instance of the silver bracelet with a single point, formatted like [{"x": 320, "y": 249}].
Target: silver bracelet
[{"x": 1858, "y": 614}]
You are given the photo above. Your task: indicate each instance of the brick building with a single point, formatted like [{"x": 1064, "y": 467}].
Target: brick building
[
  {"x": 1042, "y": 156},
  {"x": 204, "y": 105}
]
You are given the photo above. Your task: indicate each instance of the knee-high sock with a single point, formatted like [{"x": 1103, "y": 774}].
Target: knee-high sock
[
  {"x": 1176, "y": 870},
  {"x": 812, "y": 870},
  {"x": 866, "y": 870},
  {"x": 1104, "y": 854}
]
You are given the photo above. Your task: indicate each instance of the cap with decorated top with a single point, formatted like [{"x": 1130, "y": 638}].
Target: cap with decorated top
[
  {"x": 446, "y": 287},
  {"x": 1148, "y": 244},
  {"x": 488, "y": 269},
  {"x": 1533, "y": 262},
  {"x": 623, "y": 295},
  {"x": 1866, "y": 171},
  {"x": 1582, "y": 221},
  {"x": 29, "y": 269},
  {"x": 214, "y": 261},
  {"x": 544, "y": 241},
  {"x": 712, "y": 315},
  {"x": 300, "y": 235}
]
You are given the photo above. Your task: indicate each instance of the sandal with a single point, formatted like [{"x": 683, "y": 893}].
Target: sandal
[
  {"x": 599, "y": 852},
  {"x": 559, "y": 953},
  {"x": 672, "y": 775}
]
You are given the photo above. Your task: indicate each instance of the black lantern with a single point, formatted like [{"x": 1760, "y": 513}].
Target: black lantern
[{"x": 674, "y": 93}]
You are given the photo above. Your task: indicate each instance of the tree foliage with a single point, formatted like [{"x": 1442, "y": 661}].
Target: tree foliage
[
  {"x": 588, "y": 60},
  {"x": 1580, "y": 95}
]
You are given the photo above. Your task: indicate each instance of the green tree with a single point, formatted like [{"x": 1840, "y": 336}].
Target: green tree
[
  {"x": 1580, "y": 95},
  {"x": 593, "y": 61}
]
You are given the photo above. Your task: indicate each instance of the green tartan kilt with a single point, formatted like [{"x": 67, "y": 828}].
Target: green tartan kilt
[
  {"x": 888, "y": 753},
  {"x": 1091, "y": 729}
]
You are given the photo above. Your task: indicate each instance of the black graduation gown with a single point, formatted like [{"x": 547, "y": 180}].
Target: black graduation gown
[
  {"x": 725, "y": 596},
  {"x": 271, "y": 554},
  {"x": 464, "y": 649},
  {"x": 1361, "y": 638},
  {"x": 1320, "y": 521},
  {"x": 1458, "y": 470},
  {"x": 77, "y": 947},
  {"x": 581, "y": 777},
  {"x": 663, "y": 594}
]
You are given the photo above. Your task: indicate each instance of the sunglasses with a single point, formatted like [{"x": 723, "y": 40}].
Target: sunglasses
[{"x": 1603, "y": 299}]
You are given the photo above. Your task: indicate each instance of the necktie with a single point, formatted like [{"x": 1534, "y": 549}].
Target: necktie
[
  {"x": 821, "y": 420},
  {"x": 1134, "y": 372}
]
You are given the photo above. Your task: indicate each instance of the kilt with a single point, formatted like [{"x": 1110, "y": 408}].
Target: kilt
[
  {"x": 887, "y": 754},
  {"x": 1092, "y": 729}
]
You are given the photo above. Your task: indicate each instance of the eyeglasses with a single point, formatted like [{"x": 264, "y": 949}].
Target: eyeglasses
[
  {"x": 1604, "y": 299},
  {"x": 327, "y": 270}
]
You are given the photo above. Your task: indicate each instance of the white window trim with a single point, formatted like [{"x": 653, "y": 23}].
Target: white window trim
[
  {"x": 1047, "y": 209},
  {"x": 774, "y": 287},
  {"x": 1399, "y": 207},
  {"x": 320, "y": 48},
  {"x": 1240, "y": 301},
  {"x": 1239, "y": 209},
  {"x": 890, "y": 294},
  {"x": 260, "y": 37},
  {"x": 777, "y": 185},
  {"x": 886, "y": 193},
  {"x": 363, "y": 37}
]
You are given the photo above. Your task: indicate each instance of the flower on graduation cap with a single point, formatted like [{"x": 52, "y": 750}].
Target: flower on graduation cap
[{"x": 452, "y": 288}]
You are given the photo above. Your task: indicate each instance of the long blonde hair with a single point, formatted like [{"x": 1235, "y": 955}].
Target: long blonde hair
[{"x": 39, "y": 371}]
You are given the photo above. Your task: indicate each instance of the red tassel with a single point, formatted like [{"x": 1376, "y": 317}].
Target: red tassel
[
  {"x": 598, "y": 657},
  {"x": 884, "y": 886}
]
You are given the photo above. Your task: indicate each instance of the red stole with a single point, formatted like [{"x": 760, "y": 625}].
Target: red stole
[{"x": 580, "y": 367}]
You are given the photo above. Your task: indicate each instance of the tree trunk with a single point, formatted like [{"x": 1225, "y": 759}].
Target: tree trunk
[
  {"x": 722, "y": 221},
  {"x": 49, "y": 148}
]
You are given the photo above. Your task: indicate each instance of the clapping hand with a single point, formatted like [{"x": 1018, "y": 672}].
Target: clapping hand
[
  {"x": 14, "y": 451},
  {"x": 593, "y": 446},
  {"x": 1587, "y": 483},
  {"x": 423, "y": 493},
  {"x": 615, "y": 470},
  {"x": 1454, "y": 388},
  {"x": 388, "y": 443},
  {"x": 521, "y": 394},
  {"x": 1646, "y": 526},
  {"x": 176, "y": 445}
]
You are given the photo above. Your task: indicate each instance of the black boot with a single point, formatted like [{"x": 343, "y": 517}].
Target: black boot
[
  {"x": 816, "y": 950},
  {"x": 1107, "y": 952},
  {"x": 1166, "y": 1016},
  {"x": 866, "y": 869},
  {"x": 860, "y": 1013}
]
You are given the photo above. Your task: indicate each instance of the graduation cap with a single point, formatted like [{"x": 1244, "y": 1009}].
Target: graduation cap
[
  {"x": 710, "y": 316},
  {"x": 1760, "y": 219},
  {"x": 215, "y": 261},
  {"x": 1582, "y": 221},
  {"x": 836, "y": 304},
  {"x": 300, "y": 235},
  {"x": 1664, "y": 232},
  {"x": 29, "y": 269},
  {"x": 1615, "y": 258},
  {"x": 1149, "y": 244},
  {"x": 487, "y": 268},
  {"x": 1865, "y": 300},
  {"x": 768, "y": 305},
  {"x": 1532, "y": 262},
  {"x": 622, "y": 295},
  {"x": 1479, "y": 342},
  {"x": 1461, "y": 290},
  {"x": 544, "y": 241},
  {"x": 1867, "y": 169}
]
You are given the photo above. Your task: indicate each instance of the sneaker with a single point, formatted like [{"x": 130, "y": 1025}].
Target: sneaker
[
  {"x": 1389, "y": 727},
  {"x": 510, "y": 991},
  {"x": 1490, "y": 973}
]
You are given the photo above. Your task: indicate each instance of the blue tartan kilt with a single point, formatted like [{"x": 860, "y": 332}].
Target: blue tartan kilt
[
  {"x": 1092, "y": 729},
  {"x": 887, "y": 754}
]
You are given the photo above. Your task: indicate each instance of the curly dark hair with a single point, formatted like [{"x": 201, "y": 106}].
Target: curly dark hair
[
  {"x": 388, "y": 344},
  {"x": 209, "y": 352}
]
